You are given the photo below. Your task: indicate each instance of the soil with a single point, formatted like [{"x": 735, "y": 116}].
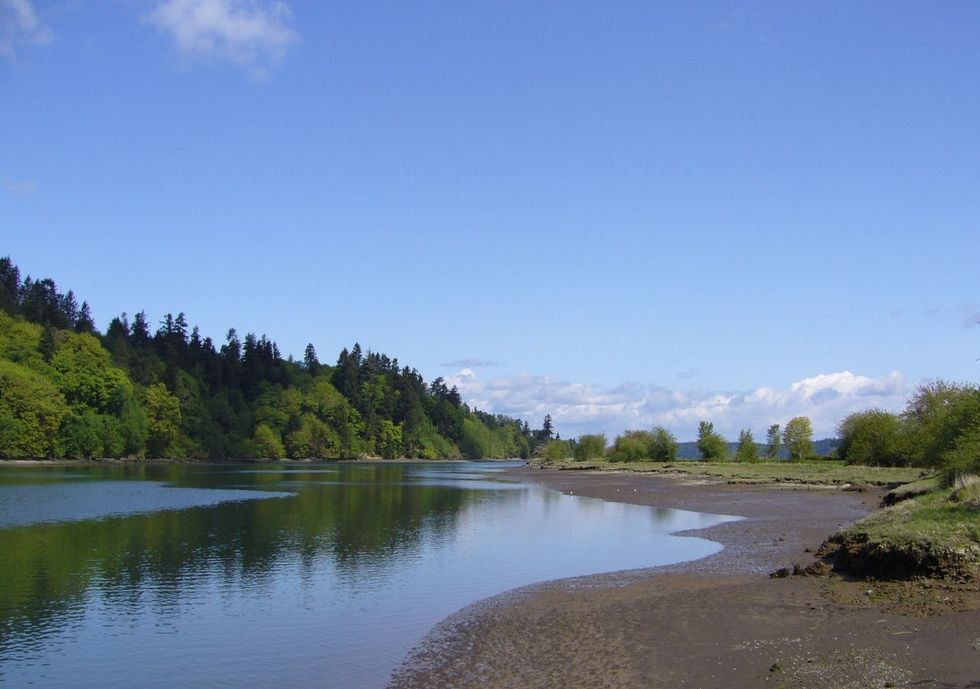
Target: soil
[{"x": 721, "y": 621}]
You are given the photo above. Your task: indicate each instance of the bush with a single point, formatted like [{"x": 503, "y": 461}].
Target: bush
[
  {"x": 590, "y": 446},
  {"x": 557, "y": 450},
  {"x": 664, "y": 445},
  {"x": 632, "y": 446}
]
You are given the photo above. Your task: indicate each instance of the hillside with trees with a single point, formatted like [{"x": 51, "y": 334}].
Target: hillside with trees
[{"x": 67, "y": 390}]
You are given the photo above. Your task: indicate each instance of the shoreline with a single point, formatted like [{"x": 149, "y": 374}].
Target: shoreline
[
  {"x": 110, "y": 461},
  {"x": 720, "y": 621}
]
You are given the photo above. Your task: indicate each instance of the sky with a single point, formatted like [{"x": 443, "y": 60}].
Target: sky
[{"x": 624, "y": 214}]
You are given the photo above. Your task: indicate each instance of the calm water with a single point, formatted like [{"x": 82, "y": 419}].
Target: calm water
[{"x": 280, "y": 576}]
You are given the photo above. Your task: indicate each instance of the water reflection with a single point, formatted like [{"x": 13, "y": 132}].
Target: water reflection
[{"x": 306, "y": 576}]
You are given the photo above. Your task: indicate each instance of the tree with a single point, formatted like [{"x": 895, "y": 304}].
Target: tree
[
  {"x": 941, "y": 426},
  {"x": 664, "y": 445},
  {"x": 557, "y": 450},
  {"x": 475, "y": 443},
  {"x": 267, "y": 443},
  {"x": 163, "y": 415},
  {"x": 31, "y": 411},
  {"x": 590, "y": 446},
  {"x": 632, "y": 446},
  {"x": 798, "y": 438},
  {"x": 871, "y": 438},
  {"x": 9, "y": 286},
  {"x": 84, "y": 372},
  {"x": 712, "y": 446},
  {"x": 773, "y": 441},
  {"x": 747, "y": 450},
  {"x": 547, "y": 429},
  {"x": 84, "y": 322},
  {"x": 310, "y": 361}
]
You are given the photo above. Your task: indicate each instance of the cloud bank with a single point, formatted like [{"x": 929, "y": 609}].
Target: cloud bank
[
  {"x": 251, "y": 33},
  {"x": 20, "y": 25},
  {"x": 580, "y": 408}
]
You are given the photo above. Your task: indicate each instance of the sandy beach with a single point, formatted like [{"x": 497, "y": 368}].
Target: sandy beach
[{"x": 721, "y": 621}]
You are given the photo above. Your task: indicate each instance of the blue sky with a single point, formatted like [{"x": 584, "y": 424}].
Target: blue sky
[{"x": 620, "y": 213}]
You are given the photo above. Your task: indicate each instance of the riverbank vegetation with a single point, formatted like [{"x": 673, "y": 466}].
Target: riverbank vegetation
[
  {"x": 67, "y": 390},
  {"x": 820, "y": 472}
]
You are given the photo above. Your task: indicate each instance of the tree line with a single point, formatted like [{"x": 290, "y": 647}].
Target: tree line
[
  {"x": 68, "y": 390},
  {"x": 660, "y": 445},
  {"x": 938, "y": 429}
]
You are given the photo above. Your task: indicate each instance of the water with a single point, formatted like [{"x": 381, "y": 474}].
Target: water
[{"x": 283, "y": 575}]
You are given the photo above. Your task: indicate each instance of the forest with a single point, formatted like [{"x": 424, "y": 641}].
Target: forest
[{"x": 68, "y": 390}]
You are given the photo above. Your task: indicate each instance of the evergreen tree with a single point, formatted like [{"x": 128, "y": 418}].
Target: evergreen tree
[
  {"x": 747, "y": 450},
  {"x": 547, "y": 429},
  {"x": 310, "y": 361},
  {"x": 84, "y": 322},
  {"x": 773, "y": 441}
]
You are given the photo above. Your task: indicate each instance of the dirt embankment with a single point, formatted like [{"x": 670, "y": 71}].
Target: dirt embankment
[{"x": 716, "y": 622}]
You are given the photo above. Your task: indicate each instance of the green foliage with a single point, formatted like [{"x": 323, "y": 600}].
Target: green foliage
[
  {"x": 872, "y": 438},
  {"x": 663, "y": 448},
  {"x": 389, "y": 441},
  {"x": 747, "y": 450},
  {"x": 632, "y": 446},
  {"x": 711, "y": 445},
  {"x": 268, "y": 445},
  {"x": 89, "y": 435},
  {"x": 20, "y": 341},
  {"x": 84, "y": 372},
  {"x": 31, "y": 412},
  {"x": 798, "y": 438},
  {"x": 590, "y": 446},
  {"x": 475, "y": 443},
  {"x": 163, "y": 419},
  {"x": 557, "y": 450},
  {"x": 937, "y": 417},
  {"x": 963, "y": 457}
]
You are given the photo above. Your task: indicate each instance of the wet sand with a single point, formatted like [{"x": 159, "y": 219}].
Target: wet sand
[{"x": 716, "y": 622}]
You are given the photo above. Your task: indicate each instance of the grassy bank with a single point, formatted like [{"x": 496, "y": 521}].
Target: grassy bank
[
  {"x": 819, "y": 472},
  {"x": 933, "y": 534}
]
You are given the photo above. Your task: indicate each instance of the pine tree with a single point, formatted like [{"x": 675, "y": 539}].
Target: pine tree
[
  {"x": 774, "y": 441},
  {"x": 310, "y": 361},
  {"x": 747, "y": 450}
]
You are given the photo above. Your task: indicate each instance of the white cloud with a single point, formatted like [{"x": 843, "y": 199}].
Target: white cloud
[
  {"x": 252, "y": 33},
  {"x": 579, "y": 408},
  {"x": 23, "y": 187},
  {"x": 19, "y": 24}
]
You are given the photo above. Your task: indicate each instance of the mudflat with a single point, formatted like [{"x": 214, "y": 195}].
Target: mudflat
[{"x": 721, "y": 621}]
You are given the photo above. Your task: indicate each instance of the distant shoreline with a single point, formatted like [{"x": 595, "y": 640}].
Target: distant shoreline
[
  {"x": 716, "y": 622},
  {"x": 164, "y": 460}
]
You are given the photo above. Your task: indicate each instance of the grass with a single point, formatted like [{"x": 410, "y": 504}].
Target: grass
[
  {"x": 932, "y": 518},
  {"x": 936, "y": 533},
  {"x": 815, "y": 472}
]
